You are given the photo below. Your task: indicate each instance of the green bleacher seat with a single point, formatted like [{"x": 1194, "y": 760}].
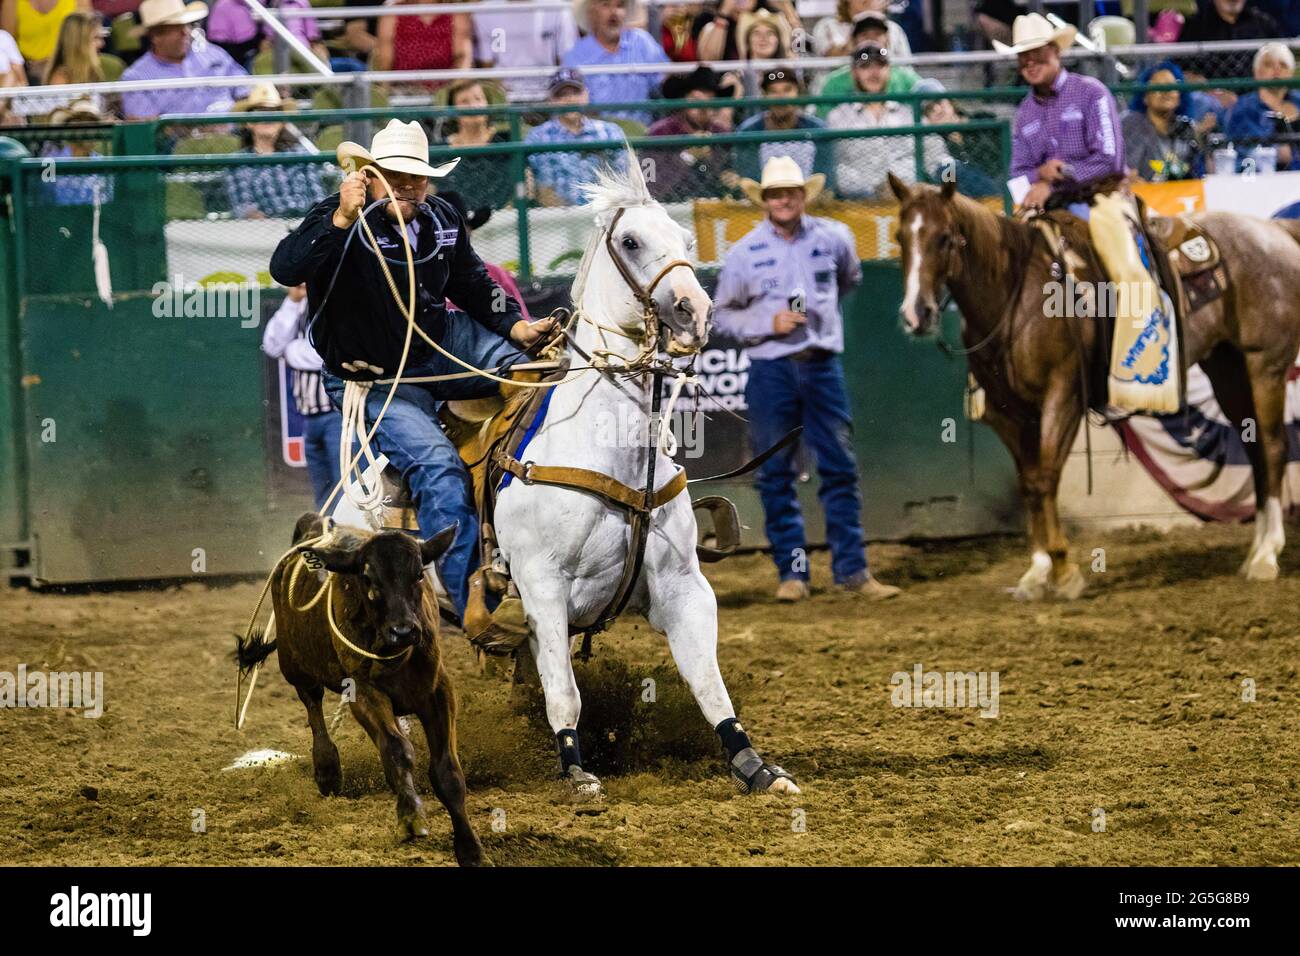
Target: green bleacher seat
[
  {"x": 211, "y": 143},
  {"x": 184, "y": 201},
  {"x": 631, "y": 128},
  {"x": 328, "y": 139}
]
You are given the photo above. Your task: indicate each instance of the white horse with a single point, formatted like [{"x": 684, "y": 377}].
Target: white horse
[{"x": 567, "y": 549}]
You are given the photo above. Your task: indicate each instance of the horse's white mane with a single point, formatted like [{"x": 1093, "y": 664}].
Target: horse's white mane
[
  {"x": 616, "y": 188},
  {"x": 613, "y": 189}
]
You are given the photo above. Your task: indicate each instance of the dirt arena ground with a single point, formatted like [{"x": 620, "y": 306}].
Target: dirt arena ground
[{"x": 1128, "y": 702}]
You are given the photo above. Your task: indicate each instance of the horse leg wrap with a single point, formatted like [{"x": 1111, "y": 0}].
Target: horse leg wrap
[
  {"x": 734, "y": 738},
  {"x": 570, "y": 755}
]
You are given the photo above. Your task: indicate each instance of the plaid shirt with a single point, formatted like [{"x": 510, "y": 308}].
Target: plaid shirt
[
  {"x": 275, "y": 190},
  {"x": 1075, "y": 123},
  {"x": 564, "y": 172}
]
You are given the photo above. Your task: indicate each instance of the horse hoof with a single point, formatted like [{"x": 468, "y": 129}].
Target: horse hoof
[
  {"x": 1072, "y": 585},
  {"x": 751, "y": 774},
  {"x": 583, "y": 785},
  {"x": 330, "y": 785},
  {"x": 413, "y": 828},
  {"x": 1263, "y": 568},
  {"x": 1033, "y": 591},
  {"x": 471, "y": 855}
]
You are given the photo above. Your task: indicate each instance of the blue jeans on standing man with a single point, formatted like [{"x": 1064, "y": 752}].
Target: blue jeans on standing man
[
  {"x": 416, "y": 445},
  {"x": 783, "y": 394},
  {"x": 320, "y": 434}
]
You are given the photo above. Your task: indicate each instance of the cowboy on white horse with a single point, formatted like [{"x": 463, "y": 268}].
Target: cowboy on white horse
[{"x": 360, "y": 331}]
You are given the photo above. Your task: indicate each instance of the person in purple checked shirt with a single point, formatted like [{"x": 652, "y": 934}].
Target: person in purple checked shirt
[
  {"x": 173, "y": 55},
  {"x": 1066, "y": 133}
]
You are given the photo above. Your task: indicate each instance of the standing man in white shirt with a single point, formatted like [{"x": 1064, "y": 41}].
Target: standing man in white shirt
[
  {"x": 779, "y": 294},
  {"x": 285, "y": 338}
]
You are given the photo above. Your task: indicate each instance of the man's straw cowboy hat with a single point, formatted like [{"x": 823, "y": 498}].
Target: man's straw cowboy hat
[
  {"x": 782, "y": 172},
  {"x": 400, "y": 147},
  {"x": 163, "y": 13},
  {"x": 1033, "y": 30},
  {"x": 582, "y": 7},
  {"x": 264, "y": 96}
]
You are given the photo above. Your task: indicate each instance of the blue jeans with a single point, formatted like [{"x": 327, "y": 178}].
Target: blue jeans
[
  {"x": 415, "y": 444},
  {"x": 321, "y": 447},
  {"x": 782, "y": 394}
]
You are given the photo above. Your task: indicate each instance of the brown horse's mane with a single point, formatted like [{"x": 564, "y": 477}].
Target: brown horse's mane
[{"x": 991, "y": 237}]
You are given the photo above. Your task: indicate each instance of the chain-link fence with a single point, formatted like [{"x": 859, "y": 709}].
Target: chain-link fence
[{"x": 206, "y": 219}]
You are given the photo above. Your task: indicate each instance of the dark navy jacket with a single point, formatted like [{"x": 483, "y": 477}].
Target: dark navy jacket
[{"x": 361, "y": 322}]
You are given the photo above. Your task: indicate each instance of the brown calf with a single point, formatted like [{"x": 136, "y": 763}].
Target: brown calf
[{"x": 373, "y": 632}]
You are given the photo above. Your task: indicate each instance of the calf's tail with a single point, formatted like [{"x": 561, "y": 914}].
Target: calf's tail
[{"x": 252, "y": 650}]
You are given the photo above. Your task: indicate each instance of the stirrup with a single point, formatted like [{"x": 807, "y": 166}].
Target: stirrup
[
  {"x": 501, "y": 632},
  {"x": 749, "y": 774}
]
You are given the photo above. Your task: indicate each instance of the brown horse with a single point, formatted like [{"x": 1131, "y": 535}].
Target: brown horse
[
  {"x": 368, "y": 624},
  {"x": 998, "y": 271}
]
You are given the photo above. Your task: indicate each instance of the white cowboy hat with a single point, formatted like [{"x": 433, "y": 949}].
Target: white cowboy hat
[
  {"x": 401, "y": 147},
  {"x": 264, "y": 96},
  {"x": 782, "y": 172},
  {"x": 1034, "y": 30},
  {"x": 580, "y": 12},
  {"x": 161, "y": 13}
]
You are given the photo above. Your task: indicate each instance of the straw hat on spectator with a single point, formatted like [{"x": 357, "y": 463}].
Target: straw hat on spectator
[
  {"x": 401, "y": 147},
  {"x": 757, "y": 18},
  {"x": 782, "y": 172},
  {"x": 162, "y": 13},
  {"x": 264, "y": 96},
  {"x": 581, "y": 8},
  {"x": 81, "y": 110},
  {"x": 1033, "y": 30}
]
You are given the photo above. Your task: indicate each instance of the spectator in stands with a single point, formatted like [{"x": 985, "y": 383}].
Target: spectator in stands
[
  {"x": 812, "y": 157},
  {"x": 1225, "y": 20},
  {"x": 834, "y": 35},
  {"x": 473, "y": 219},
  {"x": 1160, "y": 139},
  {"x": 231, "y": 26},
  {"x": 610, "y": 41},
  {"x": 869, "y": 27},
  {"x": 359, "y": 35},
  {"x": 971, "y": 159},
  {"x": 485, "y": 179},
  {"x": 761, "y": 35},
  {"x": 439, "y": 42},
  {"x": 1066, "y": 134},
  {"x": 1268, "y": 116},
  {"x": 522, "y": 39},
  {"x": 779, "y": 294},
  {"x": 676, "y": 31},
  {"x": 77, "y": 56},
  {"x": 716, "y": 30},
  {"x": 1285, "y": 12},
  {"x": 76, "y": 189},
  {"x": 35, "y": 25},
  {"x": 285, "y": 338},
  {"x": 994, "y": 17},
  {"x": 171, "y": 57},
  {"x": 264, "y": 191},
  {"x": 558, "y": 176},
  {"x": 12, "y": 74},
  {"x": 861, "y": 164},
  {"x": 690, "y": 172}
]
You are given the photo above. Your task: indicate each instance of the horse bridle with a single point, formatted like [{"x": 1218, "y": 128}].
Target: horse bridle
[{"x": 643, "y": 295}]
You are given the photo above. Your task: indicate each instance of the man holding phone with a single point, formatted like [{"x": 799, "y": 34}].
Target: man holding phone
[{"x": 779, "y": 294}]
